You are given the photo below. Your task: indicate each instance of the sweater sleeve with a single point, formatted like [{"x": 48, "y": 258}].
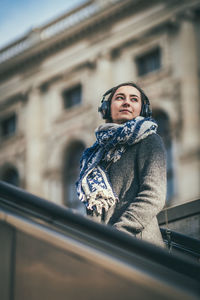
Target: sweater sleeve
[{"x": 150, "y": 199}]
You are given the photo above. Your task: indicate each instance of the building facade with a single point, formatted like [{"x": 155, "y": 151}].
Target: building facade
[{"x": 52, "y": 81}]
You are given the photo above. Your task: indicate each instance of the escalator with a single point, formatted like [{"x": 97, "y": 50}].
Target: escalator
[{"x": 50, "y": 252}]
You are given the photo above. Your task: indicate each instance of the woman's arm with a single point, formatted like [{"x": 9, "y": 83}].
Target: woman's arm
[{"x": 150, "y": 199}]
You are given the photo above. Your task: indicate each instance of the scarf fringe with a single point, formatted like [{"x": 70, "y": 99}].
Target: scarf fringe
[{"x": 100, "y": 200}]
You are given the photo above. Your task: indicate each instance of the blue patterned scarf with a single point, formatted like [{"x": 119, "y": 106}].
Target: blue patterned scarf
[{"x": 93, "y": 186}]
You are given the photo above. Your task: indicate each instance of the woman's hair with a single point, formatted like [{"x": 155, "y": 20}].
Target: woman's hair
[{"x": 144, "y": 98}]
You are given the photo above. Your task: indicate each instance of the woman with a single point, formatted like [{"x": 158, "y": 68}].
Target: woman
[{"x": 123, "y": 175}]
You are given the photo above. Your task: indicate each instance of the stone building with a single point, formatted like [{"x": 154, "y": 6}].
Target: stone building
[{"x": 53, "y": 78}]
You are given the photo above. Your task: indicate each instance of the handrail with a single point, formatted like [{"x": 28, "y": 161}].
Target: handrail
[{"x": 21, "y": 201}]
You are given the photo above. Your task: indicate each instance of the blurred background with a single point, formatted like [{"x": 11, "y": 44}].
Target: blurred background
[{"x": 58, "y": 58}]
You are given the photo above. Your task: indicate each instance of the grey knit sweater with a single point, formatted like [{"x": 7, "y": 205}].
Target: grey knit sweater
[{"x": 139, "y": 180}]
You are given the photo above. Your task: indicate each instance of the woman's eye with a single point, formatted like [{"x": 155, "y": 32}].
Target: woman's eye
[
  {"x": 119, "y": 97},
  {"x": 134, "y": 99}
]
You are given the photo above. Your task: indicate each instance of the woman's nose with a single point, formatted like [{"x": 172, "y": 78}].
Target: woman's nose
[{"x": 126, "y": 102}]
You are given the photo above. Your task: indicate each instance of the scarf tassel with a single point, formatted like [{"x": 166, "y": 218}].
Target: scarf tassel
[{"x": 99, "y": 200}]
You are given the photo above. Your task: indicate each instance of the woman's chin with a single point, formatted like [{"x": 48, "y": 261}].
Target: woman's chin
[{"x": 122, "y": 121}]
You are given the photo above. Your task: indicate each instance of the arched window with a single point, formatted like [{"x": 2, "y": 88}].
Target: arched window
[
  {"x": 70, "y": 175},
  {"x": 164, "y": 131},
  {"x": 10, "y": 175}
]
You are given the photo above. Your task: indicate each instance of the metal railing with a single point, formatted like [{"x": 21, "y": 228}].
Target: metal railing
[
  {"x": 23, "y": 202},
  {"x": 181, "y": 244}
]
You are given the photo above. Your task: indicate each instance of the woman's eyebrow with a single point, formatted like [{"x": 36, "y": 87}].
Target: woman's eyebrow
[
  {"x": 122, "y": 94},
  {"x": 134, "y": 96}
]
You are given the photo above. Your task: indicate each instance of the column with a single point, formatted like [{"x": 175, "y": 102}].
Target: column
[
  {"x": 100, "y": 80},
  {"x": 34, "y": 148},
  {"x": 189, "y": 85},
  {"x": 189, "y": 147},
  {"x": 103, "y": 76},
  {"x": 124, "y": 68}
]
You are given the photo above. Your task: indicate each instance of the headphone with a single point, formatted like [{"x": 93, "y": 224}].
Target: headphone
[{"x": 105, "y": 109}]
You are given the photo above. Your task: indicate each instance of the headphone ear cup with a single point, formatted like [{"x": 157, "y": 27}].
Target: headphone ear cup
[
  {"x": 104, "y": 109},
  {"x": 142, "y": 113},
  {"x": 146, "y": 111},
  {"x": 149, "y": 111}
]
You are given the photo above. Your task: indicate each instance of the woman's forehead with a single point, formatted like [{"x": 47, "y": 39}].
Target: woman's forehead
[{"x": 128, "y": 89}]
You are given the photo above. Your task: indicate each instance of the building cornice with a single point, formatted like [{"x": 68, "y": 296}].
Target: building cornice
[
  {"x": 56, "y": 35},
  {"x": 44, "y": 86},
  {"x": 19, "y": 97},
  {"x": 88, "y": 18}
]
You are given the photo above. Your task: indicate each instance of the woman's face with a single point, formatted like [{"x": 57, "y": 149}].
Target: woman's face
[{"x": 126, "y": 104}]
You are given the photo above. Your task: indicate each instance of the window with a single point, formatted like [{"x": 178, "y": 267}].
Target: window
[
  {"x": 70, "y": 175},
  {"x": 10, "y": 175},
  {"x": 72, "y": 96},
  {"x": 8, "y": 126},
  {"x": 164, "y": 131},
  {"x": 149, "y": 62}
]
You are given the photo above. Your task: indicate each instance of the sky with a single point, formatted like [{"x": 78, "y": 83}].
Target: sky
[{"x": 18, "y": 17}]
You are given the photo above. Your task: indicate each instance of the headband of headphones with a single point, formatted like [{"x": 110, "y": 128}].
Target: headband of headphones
[{"x": 105, "y": 109}]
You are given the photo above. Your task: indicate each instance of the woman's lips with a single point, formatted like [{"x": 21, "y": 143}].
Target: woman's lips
[{"x": 125, "y": 110}]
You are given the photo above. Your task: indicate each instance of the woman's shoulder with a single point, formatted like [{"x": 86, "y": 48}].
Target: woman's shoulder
[
  {"x": 152, "y": 143},
  {"x": 153, "y": 138}
]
